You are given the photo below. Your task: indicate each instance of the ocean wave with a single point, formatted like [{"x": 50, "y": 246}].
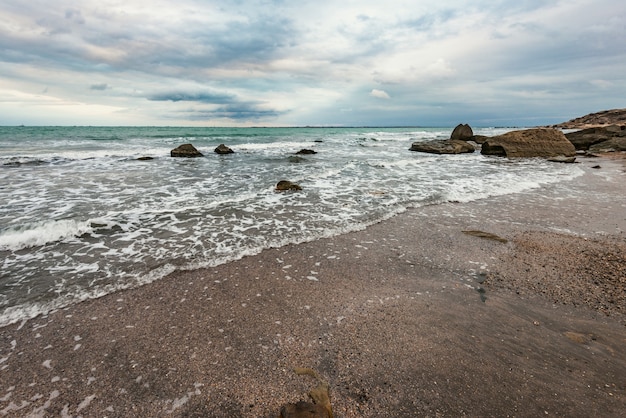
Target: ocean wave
[
  {"x": 187, "y": 214},
  {"x": 41, "y": 233},
  {"x": 286, "y": 146},
  {"x": 18, "y": 161},
  {"x": 30, "y": 310}
]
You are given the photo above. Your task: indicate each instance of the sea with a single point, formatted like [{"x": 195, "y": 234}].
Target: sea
[{"x": 83, "y": 213}]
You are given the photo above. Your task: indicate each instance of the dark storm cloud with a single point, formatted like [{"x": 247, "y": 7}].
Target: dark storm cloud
[
  {"x": 235, "y": 112},
  {"x": 184, "y": 96}
]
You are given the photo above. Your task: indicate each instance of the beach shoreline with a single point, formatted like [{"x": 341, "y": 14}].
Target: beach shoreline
[{"x": 410, "y": 317}]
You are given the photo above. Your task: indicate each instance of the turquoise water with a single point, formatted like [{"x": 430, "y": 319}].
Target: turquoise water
[{"x": 81, "y": 216}]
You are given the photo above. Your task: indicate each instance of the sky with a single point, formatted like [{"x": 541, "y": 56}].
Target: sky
[{"x": 309, "y": 63}]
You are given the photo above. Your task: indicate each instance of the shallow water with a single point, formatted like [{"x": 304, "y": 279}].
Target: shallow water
[{"x": 81, "y": 217}]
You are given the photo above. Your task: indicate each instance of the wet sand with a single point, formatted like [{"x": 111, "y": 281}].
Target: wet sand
[{"x": 410, "y": 317}]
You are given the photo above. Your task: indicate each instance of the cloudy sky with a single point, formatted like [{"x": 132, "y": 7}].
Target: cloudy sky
[{"x": 282, "y": 62}]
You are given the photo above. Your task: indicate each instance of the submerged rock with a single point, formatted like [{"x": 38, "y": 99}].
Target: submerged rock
[
  {"x": 285, "y": 185},
  {"x": 186, "y": 150},
  {"x": 486, "y": 235},
  {"x": 306, "y": 152},
  {"x": 450, "y": 146},
  {"x": 540, "y": 142},
  {"x": 223, "y": 149}
]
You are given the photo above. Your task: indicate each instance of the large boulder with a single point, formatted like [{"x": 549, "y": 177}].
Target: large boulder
[
  {"x": 449, "y": 146},
  {"x": 601, "y": 138},
  {"x": 185, "y": 150},
  {"x": 539, "y": 142},
  {"x": 462, "y": 132}
]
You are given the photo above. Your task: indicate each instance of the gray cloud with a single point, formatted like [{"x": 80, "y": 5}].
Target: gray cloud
[
  {"x": 235, "y": 112},
  {"x": 250, "y": 60},
  {"x": 101, "y": 86},
  {"x": 184, "y": 96},
  {"x": 229, "y": 106}
]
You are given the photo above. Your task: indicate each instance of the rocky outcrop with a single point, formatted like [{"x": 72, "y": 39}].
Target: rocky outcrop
[
  {"x": 223, "y": 149},
  {"x": 450, "y": 146},
  {"x": 186, "y": 151},
  {"x": 462, "y": 133},
  {"x": 609, "y": 138},
  {"x": 604, "y": 118},
  {"x": 540, "y": 142},
  {"x": 612, "y": 145},
  {"x": 285, "y": 185}
]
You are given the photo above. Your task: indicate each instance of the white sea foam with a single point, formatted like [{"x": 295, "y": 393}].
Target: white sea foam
[
  {"x": 41, "y": 233},
  {"x": 288, "y": 146},
  {"x": 70, "y": 296}
]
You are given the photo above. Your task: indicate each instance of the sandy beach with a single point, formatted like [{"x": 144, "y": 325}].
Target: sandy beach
[{"x": 414, "y": 316}]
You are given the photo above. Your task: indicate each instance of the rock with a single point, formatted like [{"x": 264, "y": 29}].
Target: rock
[
  {"x": 603, "y": 118},
  {"x": 145, "y": 158},
  {"x": 479, "y": 139},
  {"x": 562, "y": 159},
  {"x": 612, "y": 145},
  {"x": 284, "y": 185},
  {"x": 186, "y": 150},
  {"x": 296, "y": 159},
  {"x": 303, "y": 410},
  {"x": 320, "y": 408},
  {"x": 486, "y": 235},
  {"x": 579, "y": 337},
  {"x": 538, "y": 142},
  {"x": 462, "y": 132},
  {"x": 585, "y": 139},
  {"x": 223, "y": 149},
  {"x": 450, "y": 146},
  {"x": 306, "y": 152}
]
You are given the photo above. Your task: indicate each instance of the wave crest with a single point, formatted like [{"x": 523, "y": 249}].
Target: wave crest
[{"x": 42, "y": 233}]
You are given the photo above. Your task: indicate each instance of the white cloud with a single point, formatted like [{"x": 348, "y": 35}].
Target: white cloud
[
  {"x": 304, "y": 61},
  {"x": 601, "y": 84},
  {"x": 380, "y": 94}
]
